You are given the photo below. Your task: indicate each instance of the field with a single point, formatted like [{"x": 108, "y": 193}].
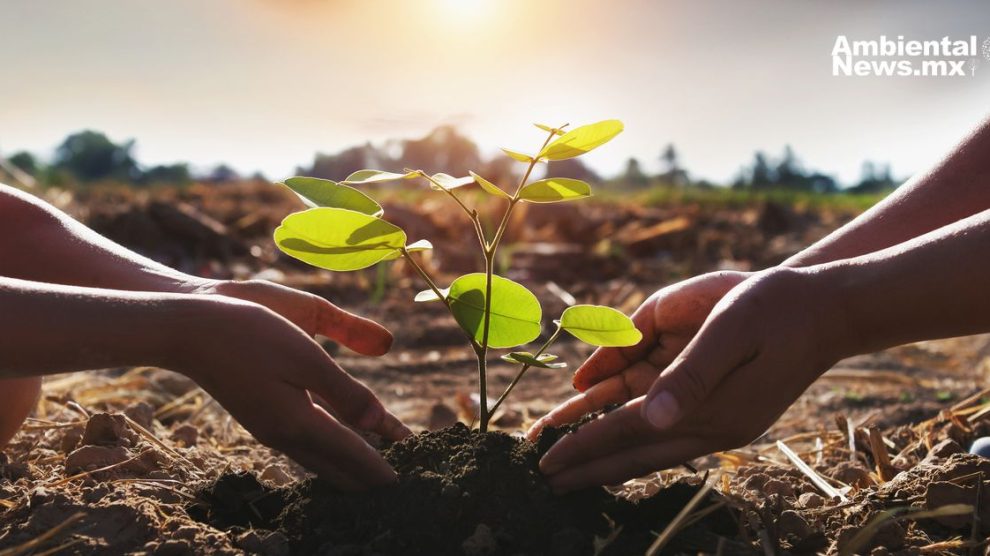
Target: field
[{"x": 871, "y": 459}]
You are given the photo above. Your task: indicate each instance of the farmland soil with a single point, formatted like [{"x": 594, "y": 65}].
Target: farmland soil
[{"x": 460, "y": 491}]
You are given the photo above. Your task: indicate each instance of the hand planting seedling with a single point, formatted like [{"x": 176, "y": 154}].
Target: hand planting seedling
[{"x": 344, "y": 229}]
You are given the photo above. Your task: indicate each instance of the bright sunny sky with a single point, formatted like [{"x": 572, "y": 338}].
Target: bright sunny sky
[{"x": 263, "y": 84}]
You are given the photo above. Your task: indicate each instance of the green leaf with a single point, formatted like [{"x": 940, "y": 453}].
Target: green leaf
[
  {"x": 375, "y": 176},
  {"x": 581, "y": 140},
  {"x": 600, "y": 326},
  {"x": 548, "y": 129},
  {"x": 551, "y": 190},
  {"x": 527, "y": 358},
  {"x": 515, "y": 311},
  {"x": 430, "y": 295},
  {"x": 325, "y": 193},
  {"x": 338, "y": 239},
  {"x": 421, "y": 245},
  {"x": 514, "y": 155},
  {"x": 446, "y": 181},
  {"x": 490, "y": 187}
]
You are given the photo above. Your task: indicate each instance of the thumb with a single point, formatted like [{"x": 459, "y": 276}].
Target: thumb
[{"x": 717, "y": 350}]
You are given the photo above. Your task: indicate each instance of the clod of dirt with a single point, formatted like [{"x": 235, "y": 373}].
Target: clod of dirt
[
  {"x": 108, "y": 429},
  {"x": 459, "y": 492}
]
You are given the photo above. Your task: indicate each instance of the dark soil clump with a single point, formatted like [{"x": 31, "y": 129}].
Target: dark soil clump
[{"x": 459, "y": 492}]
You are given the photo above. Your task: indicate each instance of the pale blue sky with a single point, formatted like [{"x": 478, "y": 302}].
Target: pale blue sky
[{"x": 263, "y": 84}]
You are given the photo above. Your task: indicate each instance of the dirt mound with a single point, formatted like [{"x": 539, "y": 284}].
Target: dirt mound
[{"x": 459, "y": 492}]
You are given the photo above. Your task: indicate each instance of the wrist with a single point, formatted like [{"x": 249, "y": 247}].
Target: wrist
[
  {"x": 834, "y": 287},
  {"x": 198, "y": 325}
]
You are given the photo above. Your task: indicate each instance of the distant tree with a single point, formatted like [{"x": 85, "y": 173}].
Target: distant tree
[
  {"x": 761, "y": 177},
  {"x": 177, "y": 174},
  {"x": 672, "y": 172},
  {"x": 874, "y": 180},
  {"x": 26, "y": 162},
  {"x": 821, "y": 183},
  {"x": 789, "y": 172},
  {"x": 90, "y": 156},
  {"x": 222, "y": 173},
  {"x": 634, "y": 174}
]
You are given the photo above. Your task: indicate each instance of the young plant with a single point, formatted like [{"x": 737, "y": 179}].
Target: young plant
[{"x": 344, "y": 229}]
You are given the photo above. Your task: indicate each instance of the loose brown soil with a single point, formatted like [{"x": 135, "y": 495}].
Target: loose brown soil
[{"x": 459, "y": 491}]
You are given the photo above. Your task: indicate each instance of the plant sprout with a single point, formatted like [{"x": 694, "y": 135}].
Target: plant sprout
[{"x": 344, "y": 229}]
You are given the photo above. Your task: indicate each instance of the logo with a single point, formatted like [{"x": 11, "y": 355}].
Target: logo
[{"x": 900, "y": 57}]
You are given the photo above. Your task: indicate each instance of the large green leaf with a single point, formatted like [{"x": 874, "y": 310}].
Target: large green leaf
[
  {"x": 581, "y": 140},
  {"x": 325, "y": 193},
  {"x": 544, "y": 361},
  {"x": 515, "y": 311},
  {"x": 338, "y": 239},
  {"x": 490, "y": 187},
  {"x": 375, "y": 176},
  {"x": 600, "y": 326},
  {"x": 551, "y": 190}
]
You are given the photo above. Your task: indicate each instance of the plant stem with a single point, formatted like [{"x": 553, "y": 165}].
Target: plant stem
[
  {"x": 523, "y": 370},
  {"x": 483, "y": 352},
  {"x": 472, "y": 214},
  {"x": 490, "y": 249},
  {"x": 515, "y": 198},
  {"x": 426, "y": 277}
]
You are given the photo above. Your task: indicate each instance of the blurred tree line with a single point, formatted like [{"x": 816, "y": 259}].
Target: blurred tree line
[{"x": 88, "y": 157}]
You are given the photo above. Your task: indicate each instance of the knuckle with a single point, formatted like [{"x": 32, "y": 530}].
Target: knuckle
[{"x": 692, "y": 385}]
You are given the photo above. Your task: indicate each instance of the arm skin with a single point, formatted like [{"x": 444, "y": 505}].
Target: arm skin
[
  {"x": 671, "y": 318},
  {"x": 752, "y": 359},
  {"x": 73, "y": 300},
  {"x": 262, "y": 370},
  {"x": 43, "y": 244}
]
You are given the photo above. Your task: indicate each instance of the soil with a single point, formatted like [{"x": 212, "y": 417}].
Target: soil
[{"x": 459, "y": 492}]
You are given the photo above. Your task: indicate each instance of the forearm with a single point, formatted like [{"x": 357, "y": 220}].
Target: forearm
[
  {"x": 41, "y": 243},
  {"x": 934, "y": 286},
  {"x": 956, "y": 188},
  {"x": 47, "y": 328}
]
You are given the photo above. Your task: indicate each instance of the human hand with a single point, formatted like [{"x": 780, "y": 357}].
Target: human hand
[
  {"x": 668, "y": 319},
  {"x": 263, "y": 370},
  {"x": 313, "y": 314},
  {"x": 762, "y": 345}
]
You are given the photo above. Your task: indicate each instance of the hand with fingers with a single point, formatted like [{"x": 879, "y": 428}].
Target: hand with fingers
[
  {"x": 719, "y": 363},
  {"x": 266, "y": 371}
]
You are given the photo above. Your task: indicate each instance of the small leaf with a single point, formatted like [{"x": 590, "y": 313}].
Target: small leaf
[
  {"x": 600, "y": 326},
  {"x": 430, "y": 295},
  {"x": 338, "y": 239},
  {"x": 551, "y": 190},
  {"x": 514, "y": 155},
  {"x": 421, "y": 245},
  {"x": 325, "y": 193},
  {"x": 527, "y": 358},
  {"x": 445, "y": 181},
  {"x": 490, "y": 187},
  {"x": 548, "y": 129},
  {"x": 375, "y": 176},
  {"x": 515, "y": 311},
  {"x": 581, "y": 140}
]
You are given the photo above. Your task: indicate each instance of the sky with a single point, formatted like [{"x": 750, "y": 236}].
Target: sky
[{"x": 264, "y": 84}]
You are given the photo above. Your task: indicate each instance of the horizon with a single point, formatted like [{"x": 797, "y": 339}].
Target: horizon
[{"x": 265, "y": 85}]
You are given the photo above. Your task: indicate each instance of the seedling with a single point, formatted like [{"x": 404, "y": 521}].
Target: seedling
[{"x": 344, "y": 229}]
